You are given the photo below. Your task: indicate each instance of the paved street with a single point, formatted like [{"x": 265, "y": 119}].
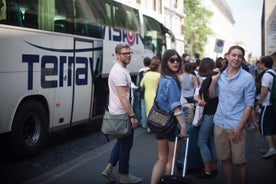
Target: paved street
[{"x": 88, "y": 167}]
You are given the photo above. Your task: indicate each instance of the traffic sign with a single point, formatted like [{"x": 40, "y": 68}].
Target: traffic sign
[{"x": 219, "y": 45}]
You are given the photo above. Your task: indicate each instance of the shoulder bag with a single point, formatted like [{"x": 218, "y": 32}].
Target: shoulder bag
[
  {"x": 116, "y": 126},
  {"x": 160, "y": 122}
]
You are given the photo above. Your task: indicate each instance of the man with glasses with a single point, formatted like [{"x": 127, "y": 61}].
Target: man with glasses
[{"x": 119, "y": 83}]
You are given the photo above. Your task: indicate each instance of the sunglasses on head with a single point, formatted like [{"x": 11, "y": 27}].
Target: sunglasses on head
[{"x": 172, "y": 60}]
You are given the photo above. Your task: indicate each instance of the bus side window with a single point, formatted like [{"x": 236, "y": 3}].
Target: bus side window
[
  {"x": 64, "y": 16},
  {"x": 89, "y": 29},
  {"x": 119, "y": 17},
  {"x": 30, "y": 18},
  {"x": 60, "y": 26},
  {"x": 89, "y": 18},
  {"x": 14, "y": 15},
  {"x": 3, "y": 9}
]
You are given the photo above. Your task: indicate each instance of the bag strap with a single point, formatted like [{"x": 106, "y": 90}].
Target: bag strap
[{"x": 155, "y": 101}]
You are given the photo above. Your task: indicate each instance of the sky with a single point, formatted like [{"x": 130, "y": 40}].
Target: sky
[{"x": 247, "y": 28}]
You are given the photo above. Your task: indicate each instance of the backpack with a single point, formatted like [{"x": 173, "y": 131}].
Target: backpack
[
  {"x": 258, "y": 82},
  {"x": 273, "y": 91}
]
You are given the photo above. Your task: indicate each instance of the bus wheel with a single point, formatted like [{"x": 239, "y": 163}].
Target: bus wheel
[{"x": 30, "y": 128}]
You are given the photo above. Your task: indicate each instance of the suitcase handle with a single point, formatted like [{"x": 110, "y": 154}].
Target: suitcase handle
[{"x": 185, "y": 157}]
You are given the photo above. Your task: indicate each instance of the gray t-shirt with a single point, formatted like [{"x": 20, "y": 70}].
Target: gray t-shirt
[{"x": 187, "y": 85}]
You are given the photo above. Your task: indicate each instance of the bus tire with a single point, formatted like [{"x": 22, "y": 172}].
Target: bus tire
[{"x": 30, "y": 129}]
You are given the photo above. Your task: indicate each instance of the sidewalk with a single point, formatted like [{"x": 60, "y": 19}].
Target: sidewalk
[{"x": 88, "y": 167}]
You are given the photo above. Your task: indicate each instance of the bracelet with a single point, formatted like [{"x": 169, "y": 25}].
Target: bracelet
[{"x": 177, "y": 113}]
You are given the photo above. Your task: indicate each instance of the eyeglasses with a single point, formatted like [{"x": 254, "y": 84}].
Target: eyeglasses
[
  {"x": 126, "y": 53},
  {"x": 172, "y": 60}
]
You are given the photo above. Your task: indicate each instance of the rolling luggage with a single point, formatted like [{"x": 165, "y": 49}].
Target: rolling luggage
[
  {"x": 177, "y": 179},
  {"x": 194, "y": 162}
]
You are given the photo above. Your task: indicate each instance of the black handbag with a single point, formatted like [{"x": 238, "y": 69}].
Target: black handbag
[{"x": 159, "y": 121}]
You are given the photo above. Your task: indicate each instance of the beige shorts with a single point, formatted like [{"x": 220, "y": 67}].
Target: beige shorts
[{"x": 226, "y": 149}]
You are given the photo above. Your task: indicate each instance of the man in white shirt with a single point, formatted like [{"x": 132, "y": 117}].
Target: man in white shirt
[
  {"x": 119, "y": 83},
  {"x": 267, "y": 118}
]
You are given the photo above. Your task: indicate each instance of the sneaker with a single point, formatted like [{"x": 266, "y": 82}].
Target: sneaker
[
  {"x": 269, "y": 153},
  {"x": 108, "y": 174},
  {"x": 204, "y": 175},
  {"x": 130, "y": 179}
]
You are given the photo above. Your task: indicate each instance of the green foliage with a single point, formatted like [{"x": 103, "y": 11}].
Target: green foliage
[{"x": 196, "y": 29}]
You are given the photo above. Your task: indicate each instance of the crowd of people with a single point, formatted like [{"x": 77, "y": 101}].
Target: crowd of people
[{"x": 235, "y": 95}]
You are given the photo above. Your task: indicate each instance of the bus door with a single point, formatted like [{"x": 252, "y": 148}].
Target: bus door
[{"x": 88, "y": 54}]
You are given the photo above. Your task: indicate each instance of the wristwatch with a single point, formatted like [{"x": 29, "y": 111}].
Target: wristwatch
[{"x": 132, "y": 116}]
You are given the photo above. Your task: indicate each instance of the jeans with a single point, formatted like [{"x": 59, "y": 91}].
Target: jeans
[
  {"x": 121, "y": 153},
  {"x": 136, "y": 105},
  {"x": 143, "y": 113},
  {"x": 206, "y": 141}
]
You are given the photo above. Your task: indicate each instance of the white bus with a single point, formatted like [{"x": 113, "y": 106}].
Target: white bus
[{"x": 55, "y": 56}]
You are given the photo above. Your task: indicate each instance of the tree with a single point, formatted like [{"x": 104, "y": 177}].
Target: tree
[{"x": 196, "y": 30}]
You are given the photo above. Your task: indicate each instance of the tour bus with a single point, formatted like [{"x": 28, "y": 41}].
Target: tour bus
[{"x": 55, "y": 60}]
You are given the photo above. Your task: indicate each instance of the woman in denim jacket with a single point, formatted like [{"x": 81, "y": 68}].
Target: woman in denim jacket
[{"x": 168, "y": 98}]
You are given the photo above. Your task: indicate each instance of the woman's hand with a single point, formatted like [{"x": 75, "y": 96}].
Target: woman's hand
[{"x": 183, "y": 132}]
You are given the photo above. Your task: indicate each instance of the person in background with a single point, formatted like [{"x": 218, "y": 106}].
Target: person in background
[
  {"x": 258, "y": 73},
  {"x": 139, "y": 103},
  {"x": 235, "y": 89},
  {"x": 188, "y": 83},
  {"x": 168, "y": 98},
  {"x": 220, "y": 62},
  {"x": 258, "y": 70},
  {"x": 149, "y": 84},
  {"x": 206, "y": 142},
  {"x": 267, "y": 117},
  {"x": 252, "y": 121},
  {"x": 119, "y": 83},
  {"x": 186, "y": 57},
  {"x": 197, "y": 58}
]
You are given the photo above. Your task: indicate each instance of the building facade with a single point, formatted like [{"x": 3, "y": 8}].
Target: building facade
[
  {"x": 222, "y": 25},
  {"x": 269, "y": 29}
]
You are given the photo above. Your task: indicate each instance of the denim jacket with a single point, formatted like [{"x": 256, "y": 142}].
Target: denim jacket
[{"x": 168, "y": 94}]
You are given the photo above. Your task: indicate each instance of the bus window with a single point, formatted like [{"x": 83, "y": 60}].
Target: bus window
[
  {"x": 91, "y": 16},
  {"x": 14, "y": 14},
  {"x": 154, "y": 37},
  {"x": 31, "y": 16},
  {"x": 125, "y": 17},
  {"x": 3, "y": 8},
  {"x": 64, "y": 16},
  {"x": 46, "y": 15}
]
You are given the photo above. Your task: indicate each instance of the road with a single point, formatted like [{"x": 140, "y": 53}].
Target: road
[{"x": 62, "y": 146}]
